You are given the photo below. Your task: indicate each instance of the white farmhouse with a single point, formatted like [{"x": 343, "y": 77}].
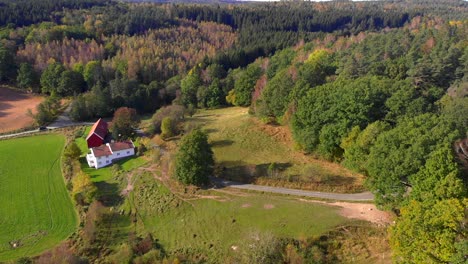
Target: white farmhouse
[{"x": 105, "y": 154}]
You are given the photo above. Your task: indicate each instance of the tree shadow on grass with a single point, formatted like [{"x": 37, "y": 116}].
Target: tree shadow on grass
[
  {"x": 247, "y": 173},
  {"x": 108, "y": 193},
  {"x": 221, "y": 143}
]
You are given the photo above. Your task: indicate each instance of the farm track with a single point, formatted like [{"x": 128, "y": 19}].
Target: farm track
[{"x": 362, "y": 197}]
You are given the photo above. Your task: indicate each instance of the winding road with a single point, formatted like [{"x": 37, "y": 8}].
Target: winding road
[{"x": 361, "y": 197}]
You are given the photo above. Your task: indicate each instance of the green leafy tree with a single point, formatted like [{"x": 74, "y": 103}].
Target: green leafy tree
[
  {"x": 124, "y": 123},
  {"x": 430, "y": 232},
  {"x": 215, "y": 95},
  {"x": 46, "y": 111},
  {"x": 401, "y": 152},
  {"x": 93, "y": 73},
  {"x": 358, "y": 143},
  {"x": 327, "y": 113},
  {"x": 440, "y": 178},
  {"x": 79, "y": 110},
  {"x": 189, "y": 86},
  {"x": 167, "y": 128},
  {"x": 7, "y": 65},
  {"x": 194, "y": 160},
  {"x": 316, "y": 68},
  {"x": 71, "y": 83},
  {"x": 279, "y": 61},
  {"x": 99, "y": 101},
  {"x": 72, "y": 151},
  {"x": 51, "y": 77},
  {"x": 27, "y": 77},
  {"x": 245, "y": 84},
  {"x": 216, "y": 71},
  {"x": 275, "y": 96}
]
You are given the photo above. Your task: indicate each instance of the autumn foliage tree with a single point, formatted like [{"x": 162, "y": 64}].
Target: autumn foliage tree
[{"x": 124, "y": 123}]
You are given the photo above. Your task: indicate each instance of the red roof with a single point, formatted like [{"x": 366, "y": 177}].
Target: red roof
[
  {"x": 99, "y": 129},
  {"x": 109, "y": 148},
  {"x": 117, "y": 146},
  {"x": 102, "y": 150}
]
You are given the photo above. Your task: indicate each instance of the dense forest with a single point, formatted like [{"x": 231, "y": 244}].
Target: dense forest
[{"x": 380, "y": 87}]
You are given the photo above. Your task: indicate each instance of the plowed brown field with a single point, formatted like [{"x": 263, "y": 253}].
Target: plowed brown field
[{"x": 13, "y": 107}]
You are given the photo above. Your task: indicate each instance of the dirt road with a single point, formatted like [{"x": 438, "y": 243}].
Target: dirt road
[{"x": 365, "y": 196}]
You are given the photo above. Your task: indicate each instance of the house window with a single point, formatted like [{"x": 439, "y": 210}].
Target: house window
[
  {"x": 118, "y": 154},
  {"x": 99, "y": 163},
  {"x": 128, "y": 152},
  {"x": 107, "y": 161}
]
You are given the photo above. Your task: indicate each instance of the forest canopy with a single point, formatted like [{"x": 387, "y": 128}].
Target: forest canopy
[{"x": 380, "y": 87}]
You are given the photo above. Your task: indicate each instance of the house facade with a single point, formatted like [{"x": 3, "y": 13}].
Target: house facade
[
  {"x": 97, "y": 134},
  {"x": 104, "y": 155}
]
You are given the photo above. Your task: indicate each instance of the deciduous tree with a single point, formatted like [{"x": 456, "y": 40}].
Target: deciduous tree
[
  {"x": 124, "y": 123},
  {"x": 194, "y": 161}
]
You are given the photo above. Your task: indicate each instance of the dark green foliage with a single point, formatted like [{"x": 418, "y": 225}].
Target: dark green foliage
[
  {"x": 276, "y": 93},
  {"x": 357, "y": 145},
  {"x": 189, "y": 87},
  {"x": 71, "y": 83},
  {"x": 194, "y": 161},
  {"x": 440, "y": 178},
  {"x": 27, "y": 77},
  {"x": 245, "y": 84},
  {"x": 215, "y": 96},
  {"x": 79, "y": 110},
  {"x": 406, "y": 100},
  {"x": 51, "y": 78},
  {"x": 327, "y": 113},
  {"x": 282, "y": 59},
  {"x": 401, "y": 152},
  {"x": 316, "y": 68},
  {"x": 7, "y": 65},
  {"x": 47, "y": 111}
]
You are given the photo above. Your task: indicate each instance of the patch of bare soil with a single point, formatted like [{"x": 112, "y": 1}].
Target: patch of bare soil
[
  {"x": 13, "y": 107},
  {"x": 361, "y": 211},
  {"x": 268, "y": 206},
  {"x": 247, "y": 205}
]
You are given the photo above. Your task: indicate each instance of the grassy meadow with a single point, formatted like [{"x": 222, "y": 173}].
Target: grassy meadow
[
  {"x": 215, "y": 222},
  {"x": 36, "y": 211},
  {"x": 244, "y": 148}
]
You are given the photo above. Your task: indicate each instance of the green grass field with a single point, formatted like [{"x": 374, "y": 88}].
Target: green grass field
[
  {"x": 36, "y": 211},
  {"x": 213, "y": 224},
  {"x": 243, "y": 147}
]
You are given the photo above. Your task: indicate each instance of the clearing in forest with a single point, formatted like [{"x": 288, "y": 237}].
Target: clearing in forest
[
  {"x": 36, "y": 212},
  {"x": 13, "y": 107},
  {"x": 245, "y": 148}
]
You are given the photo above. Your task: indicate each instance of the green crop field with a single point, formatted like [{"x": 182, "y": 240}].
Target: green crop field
[{"x": 36, "y": 211}]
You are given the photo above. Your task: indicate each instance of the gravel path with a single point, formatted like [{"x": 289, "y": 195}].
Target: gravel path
[{"x": 365, "y": 196}]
